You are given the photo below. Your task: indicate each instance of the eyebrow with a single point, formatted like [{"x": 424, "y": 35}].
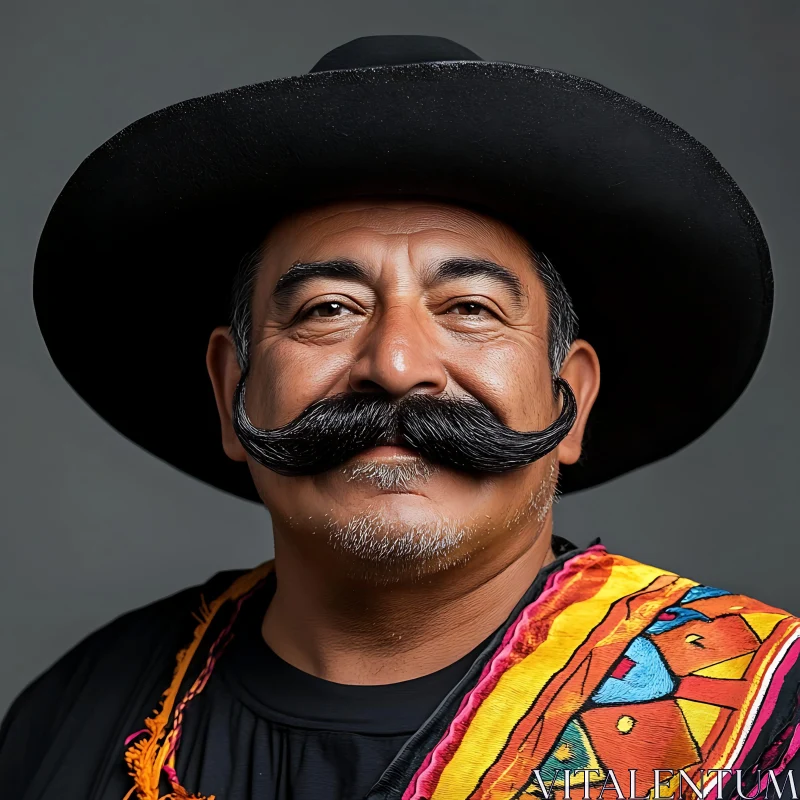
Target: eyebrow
[
  {"x": 451, "y": 268},
  {"x": 290, "y": 282}
]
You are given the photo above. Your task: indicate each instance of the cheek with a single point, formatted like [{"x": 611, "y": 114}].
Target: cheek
[
  {"x": 512, "y": 378},
  {"x": 287, "y": 377}
]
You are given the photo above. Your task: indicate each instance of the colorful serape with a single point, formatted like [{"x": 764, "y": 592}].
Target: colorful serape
[{"x": 617, "y": 666}]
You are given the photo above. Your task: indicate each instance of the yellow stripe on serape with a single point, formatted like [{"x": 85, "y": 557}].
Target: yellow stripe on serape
[{"x": 519, "y": 686}]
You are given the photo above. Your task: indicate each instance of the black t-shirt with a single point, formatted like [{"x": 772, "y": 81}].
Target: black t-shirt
[{"x": 265, "y": 729}]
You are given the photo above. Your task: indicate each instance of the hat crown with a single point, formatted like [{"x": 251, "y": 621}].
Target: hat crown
[{"x": 384, "y": 51}]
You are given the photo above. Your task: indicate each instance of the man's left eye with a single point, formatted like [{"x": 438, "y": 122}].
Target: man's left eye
[
  {"x": 467, "y": 309},
  {"x": 329, "y": 309}
]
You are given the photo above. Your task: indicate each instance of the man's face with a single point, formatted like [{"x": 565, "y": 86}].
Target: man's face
[{"x": 402, "y": 323}]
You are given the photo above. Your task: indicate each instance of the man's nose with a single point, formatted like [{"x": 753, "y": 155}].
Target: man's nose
[{"x": 398, "y": 356}]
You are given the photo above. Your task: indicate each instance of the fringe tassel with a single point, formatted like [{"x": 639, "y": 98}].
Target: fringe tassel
[{"x": 148, "y": 757}]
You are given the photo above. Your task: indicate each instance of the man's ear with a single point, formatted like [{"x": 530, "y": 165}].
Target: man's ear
[
  {"x": 581, "y": 370},
  {"x": 223, "y": 369}
]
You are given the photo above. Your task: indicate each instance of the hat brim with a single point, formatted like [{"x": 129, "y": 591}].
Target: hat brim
[{"x": 663, "y": 256}]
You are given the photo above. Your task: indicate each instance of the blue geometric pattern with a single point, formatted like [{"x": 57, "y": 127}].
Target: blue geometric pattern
[
  {"x": 647, "y": 679},
  {"x": 676, "y": 616},
  {"x": 701, "y": 593}
]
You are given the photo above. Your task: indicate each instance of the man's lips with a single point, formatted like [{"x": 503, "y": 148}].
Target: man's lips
[
  {"x": 395, "y": 446},
  {"x": 387, "y": 450}
]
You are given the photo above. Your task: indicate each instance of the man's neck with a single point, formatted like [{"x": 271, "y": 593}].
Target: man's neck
[{"x": 355, "y": 632}]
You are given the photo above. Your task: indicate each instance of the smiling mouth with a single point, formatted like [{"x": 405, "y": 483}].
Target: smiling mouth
[{"x": 393, "y": 451}]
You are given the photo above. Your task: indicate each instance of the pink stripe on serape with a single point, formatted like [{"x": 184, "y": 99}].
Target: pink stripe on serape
[
  {"x": 427, "y": 776},
  {"x": 788, "y": 661}
]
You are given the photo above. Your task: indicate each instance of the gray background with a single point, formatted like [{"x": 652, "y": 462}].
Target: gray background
[{"x": 93, "y": 526}]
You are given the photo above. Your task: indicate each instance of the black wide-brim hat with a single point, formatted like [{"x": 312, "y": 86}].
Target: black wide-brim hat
[{"x": 662, "y": 254}]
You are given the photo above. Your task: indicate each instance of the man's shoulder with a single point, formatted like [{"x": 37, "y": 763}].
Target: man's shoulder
[
  {"x": 133, "y": 635},
  {"x": 108, "y": 676},
  {"x": 716, "y": 646},
  {"x": 707, "y": 643},
  {"x": 700, "y": 600},
  {"x": 691, "y": 675}
]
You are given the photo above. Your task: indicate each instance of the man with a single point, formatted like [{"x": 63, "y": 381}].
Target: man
[{"x": 418, "y": 235}]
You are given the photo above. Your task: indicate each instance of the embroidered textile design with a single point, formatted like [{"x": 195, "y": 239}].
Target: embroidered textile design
[
  {"x": 615, "y": 666},
  {"x": 155, "y": 754}
]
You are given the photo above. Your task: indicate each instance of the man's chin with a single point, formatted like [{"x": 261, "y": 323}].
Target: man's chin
[{"x": 400, "y": 537}]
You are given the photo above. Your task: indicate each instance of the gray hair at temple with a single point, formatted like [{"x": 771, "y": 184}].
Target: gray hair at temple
[{"x": 562, "y": 322}]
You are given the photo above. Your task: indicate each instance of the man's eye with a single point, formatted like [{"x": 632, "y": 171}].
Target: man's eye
[
  {"x": 329, "y": 309},
  {"x": 467, "y": 309}
]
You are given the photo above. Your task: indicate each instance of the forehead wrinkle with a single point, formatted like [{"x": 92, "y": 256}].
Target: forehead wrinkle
[
  {"x": 405, "y": 213},
  {"x": 393, "y": 215}
]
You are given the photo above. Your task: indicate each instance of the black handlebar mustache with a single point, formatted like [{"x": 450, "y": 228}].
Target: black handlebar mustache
[{"x": 463, "y": 434}]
